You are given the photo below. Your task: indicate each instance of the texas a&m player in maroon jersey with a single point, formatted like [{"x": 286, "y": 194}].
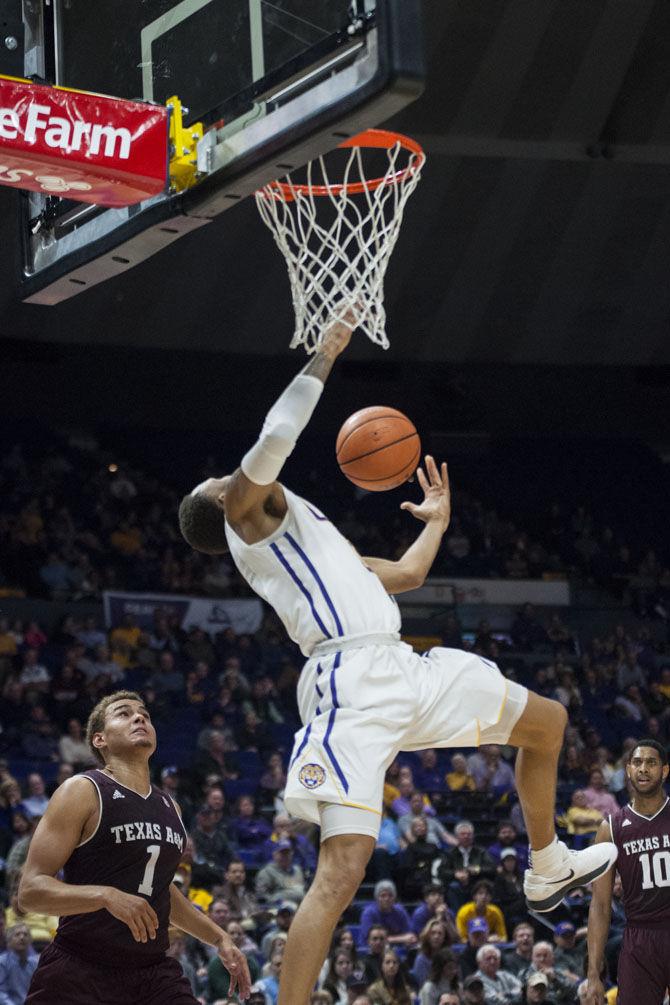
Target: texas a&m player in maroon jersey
[
  {"x": 118, "y": 841},
  {"x": 641, "y": 832}
]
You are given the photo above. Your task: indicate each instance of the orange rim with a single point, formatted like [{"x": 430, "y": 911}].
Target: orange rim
[{"x": 382, "y": 139}]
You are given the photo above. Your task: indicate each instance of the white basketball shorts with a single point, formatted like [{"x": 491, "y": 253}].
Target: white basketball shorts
[{"x": 363, "y": 705}]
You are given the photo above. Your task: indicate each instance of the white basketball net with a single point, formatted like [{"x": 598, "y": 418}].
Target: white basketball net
[{"x": 338, "y": 244}]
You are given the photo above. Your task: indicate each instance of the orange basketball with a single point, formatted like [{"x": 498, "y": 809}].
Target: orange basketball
[{"x": 378, "y": 448}]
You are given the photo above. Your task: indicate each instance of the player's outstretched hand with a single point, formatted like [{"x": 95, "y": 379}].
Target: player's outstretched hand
[
  {"x": 436, "y": 503},
  {"x": 236, "y": 964},
  {"x": 135, "y": 912},
  {"x": 337, "y": 336}
]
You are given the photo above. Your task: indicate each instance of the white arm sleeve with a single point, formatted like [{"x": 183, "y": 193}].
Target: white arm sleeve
[{"x": 284, "y": 423}]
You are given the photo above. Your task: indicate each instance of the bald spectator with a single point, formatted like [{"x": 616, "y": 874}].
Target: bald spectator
[
  {"x": 500, "y": 987},
  {"x": 467, "y": 861},
  {"x": 561, "y": 987}
]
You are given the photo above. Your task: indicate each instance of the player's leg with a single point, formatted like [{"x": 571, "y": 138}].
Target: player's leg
[
  {"x": 539, "y": 736},
  {"x": 555, "y": 870},
  {"x": 340, "y": 872},
  {"x": 642, "y": 970},
  {"x": 465, "y": 701}
]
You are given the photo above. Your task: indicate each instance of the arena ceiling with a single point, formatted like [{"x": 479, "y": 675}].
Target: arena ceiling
[{"x": 539, "y": 234}]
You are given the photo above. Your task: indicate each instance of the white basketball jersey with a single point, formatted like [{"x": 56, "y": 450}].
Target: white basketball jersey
[{"x": 314, "y": 579}]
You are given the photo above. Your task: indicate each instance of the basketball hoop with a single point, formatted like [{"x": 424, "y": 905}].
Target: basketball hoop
[{"x": 337, "y": 237}]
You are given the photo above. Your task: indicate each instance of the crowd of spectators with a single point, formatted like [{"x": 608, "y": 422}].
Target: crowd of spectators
[
  {"x": 441, "y": 917},
  {"x": 75, "y": 521}
]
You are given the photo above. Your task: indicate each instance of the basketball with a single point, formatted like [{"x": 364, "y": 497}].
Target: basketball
[{"x": 378, "y": 448}]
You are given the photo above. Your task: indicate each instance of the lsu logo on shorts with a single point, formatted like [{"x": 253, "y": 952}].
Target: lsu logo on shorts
[{"x": 312, "y": 776}]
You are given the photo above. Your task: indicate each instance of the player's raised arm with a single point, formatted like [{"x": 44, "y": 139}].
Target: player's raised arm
[
  {"x": 411, "y": 569},
  {"x": 285, "y": 421},
  {"x": 251, "y": 500},
  {"x": 72, "y": 811},
  {"x": 600, "y": 914}
]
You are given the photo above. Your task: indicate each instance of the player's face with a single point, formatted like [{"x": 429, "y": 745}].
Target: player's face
[
  {"x": 646, "y": 772},
  {"x": 128, "y": 728}
]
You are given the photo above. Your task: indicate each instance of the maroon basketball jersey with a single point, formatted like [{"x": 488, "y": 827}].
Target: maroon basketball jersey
[
  {"x": 136, "y": 848},
  {"x": 644, "y": 865}
]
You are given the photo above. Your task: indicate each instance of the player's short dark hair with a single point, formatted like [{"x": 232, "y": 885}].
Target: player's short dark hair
[
  {"x": 655, "y": 745},
  {"x": 203, "y": 524},
  {"x": 96, "y": 720}
]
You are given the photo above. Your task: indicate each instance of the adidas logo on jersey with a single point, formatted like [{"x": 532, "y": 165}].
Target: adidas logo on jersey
[
  {"x": 118, "y": 795},
  {"x": 626, "y": 823}
]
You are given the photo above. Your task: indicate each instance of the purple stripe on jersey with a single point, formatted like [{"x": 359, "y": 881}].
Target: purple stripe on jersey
[
  {"x": 316, "y": 514},
  {"x": 303, "y": 589},
  {"x": 331, "y": 723},
  {"x": 319, "y": 691},
  {"x": 324, "y": 592},
  {"x": 319, "y": 669},
  {"x": 302, "y": 746}
]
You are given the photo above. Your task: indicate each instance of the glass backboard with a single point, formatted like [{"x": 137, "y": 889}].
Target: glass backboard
[
  {"x": 275, "y": 83},
  {"x": 217, "y": 55}
]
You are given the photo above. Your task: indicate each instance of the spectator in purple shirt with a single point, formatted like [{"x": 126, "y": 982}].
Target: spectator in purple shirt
[
  {"x": 433, "y": 906},
  {"x": 429, "y": 778},
  {"x": 507, "y": 838},
  {"x": 304, "y": 853},
  {"x": 246, "y": 829},
  {"x": 386, "y": 912},
  {"x": 402, "y": 805}
]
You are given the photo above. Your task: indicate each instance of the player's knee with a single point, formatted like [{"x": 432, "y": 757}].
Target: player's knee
[{"x": 557, "y": 720}]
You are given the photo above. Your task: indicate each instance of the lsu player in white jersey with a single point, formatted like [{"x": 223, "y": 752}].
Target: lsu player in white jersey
[{"x": 363, "y": 694}]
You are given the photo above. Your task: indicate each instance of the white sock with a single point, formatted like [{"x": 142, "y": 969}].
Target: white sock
[{"x": 546, "y": 860}]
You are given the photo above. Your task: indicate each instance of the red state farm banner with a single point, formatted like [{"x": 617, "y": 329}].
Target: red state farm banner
[{"x": 81, "y": 146}]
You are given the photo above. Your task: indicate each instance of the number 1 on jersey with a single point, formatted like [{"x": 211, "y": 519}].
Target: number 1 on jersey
[{"x": 146, "y": 886}]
